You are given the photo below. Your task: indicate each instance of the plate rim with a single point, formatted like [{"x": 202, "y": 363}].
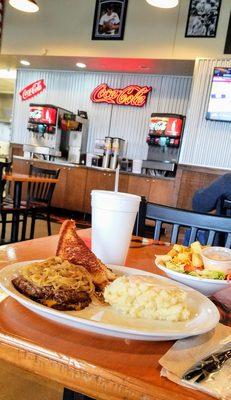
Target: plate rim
[{"x": 85, "y": 323}]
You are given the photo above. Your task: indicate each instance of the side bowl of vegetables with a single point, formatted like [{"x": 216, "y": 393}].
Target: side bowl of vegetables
[{"x": 185, "y": 265}]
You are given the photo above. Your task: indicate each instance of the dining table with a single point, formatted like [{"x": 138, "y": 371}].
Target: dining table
[
  {"x": 101, "y": 367},
  {"x": 18, "y": 180}
]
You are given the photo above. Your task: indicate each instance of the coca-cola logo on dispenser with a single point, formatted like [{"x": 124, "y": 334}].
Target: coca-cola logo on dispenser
[
  {"x": 32, "y": 90},
  {"x": 132, "y": 95}
]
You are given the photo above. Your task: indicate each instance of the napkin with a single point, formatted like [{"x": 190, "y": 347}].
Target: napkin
[{"x": 187, "y": 352}]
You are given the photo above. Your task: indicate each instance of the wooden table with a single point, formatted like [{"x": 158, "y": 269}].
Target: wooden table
[
  {"x": 18, "y": 180},
  {"x": 99, "y": 366}
]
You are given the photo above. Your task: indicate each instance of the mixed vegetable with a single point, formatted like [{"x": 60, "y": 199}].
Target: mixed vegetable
[{"x": 188, "y": 260}]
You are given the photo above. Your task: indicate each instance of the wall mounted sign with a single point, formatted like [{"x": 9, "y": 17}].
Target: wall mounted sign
[
  {"x": 132, "y": 95},
  {"x": 228, "y": 39},
  {"x": 203, "y": 18},
  {"x": 1, "y": 18},
  {"x": 109, "y": 19},
  {"x": 32, "y": 90}
]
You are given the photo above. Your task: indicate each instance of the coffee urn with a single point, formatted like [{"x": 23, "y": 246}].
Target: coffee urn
[
  {"x": 107, "y": 151},
  {"x": 118, "y": 147}
]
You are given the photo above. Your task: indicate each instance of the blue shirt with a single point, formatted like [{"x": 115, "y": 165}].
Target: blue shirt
[{"x": 210, "y": 198}]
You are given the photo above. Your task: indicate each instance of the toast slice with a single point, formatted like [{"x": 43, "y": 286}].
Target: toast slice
[{"x": 72, "y": 248}]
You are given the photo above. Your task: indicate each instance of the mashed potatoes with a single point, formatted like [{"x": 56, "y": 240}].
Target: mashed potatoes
[{"x": 143, "y": 297}]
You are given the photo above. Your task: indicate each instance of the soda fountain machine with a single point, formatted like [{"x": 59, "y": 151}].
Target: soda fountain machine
[
  {"x": 164, "y": 141},
  {"x": 55, "y": 132}
]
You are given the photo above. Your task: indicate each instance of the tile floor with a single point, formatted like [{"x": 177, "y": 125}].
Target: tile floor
[{"x": 17, "y": 384}]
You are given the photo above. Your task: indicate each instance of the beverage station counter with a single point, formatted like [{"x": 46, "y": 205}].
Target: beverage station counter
[{"x": 77, "y": 181}]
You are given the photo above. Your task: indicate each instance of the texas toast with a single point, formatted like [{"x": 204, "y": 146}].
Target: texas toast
[{"x": 72, "y": 248}]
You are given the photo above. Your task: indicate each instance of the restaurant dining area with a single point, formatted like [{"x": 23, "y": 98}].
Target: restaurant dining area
[{"x": 115, "y": 199}]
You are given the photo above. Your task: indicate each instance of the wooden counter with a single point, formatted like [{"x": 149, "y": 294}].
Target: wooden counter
[
  {"x": 76, "y": 183},
  {"x": 99, "y": 366}
]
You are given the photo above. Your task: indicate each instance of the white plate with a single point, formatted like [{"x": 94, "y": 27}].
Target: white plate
[
  {"x": 104, "y": 320},
  {"x": 203, "y": 285}
]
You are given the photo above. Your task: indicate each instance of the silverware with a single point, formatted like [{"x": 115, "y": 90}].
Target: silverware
[{"x": 207, "y": 366}]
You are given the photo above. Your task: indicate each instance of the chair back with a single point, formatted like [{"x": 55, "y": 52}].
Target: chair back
[
  {"x": 41, "y": 192},
  {"x": 5, "y": 167},
  {"x": 177, "y": 218},
  {"x": 226, "y": 206}
]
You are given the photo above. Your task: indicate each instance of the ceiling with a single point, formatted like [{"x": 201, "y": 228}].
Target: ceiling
[
  {"x": 64, "y": 28},
  {"x": 132, "y": 65}
]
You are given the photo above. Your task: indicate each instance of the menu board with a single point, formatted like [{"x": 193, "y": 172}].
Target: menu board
[{"x": 219, "y": 108}]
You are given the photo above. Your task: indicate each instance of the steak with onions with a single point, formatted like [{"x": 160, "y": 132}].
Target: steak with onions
[{"x": 61, "y": 299}]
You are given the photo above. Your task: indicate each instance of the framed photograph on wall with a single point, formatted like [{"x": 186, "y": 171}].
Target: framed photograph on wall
[
  {"x": 203, "y": 18},
  {"x": 228, "y": 39},
  {"x": 109, "y": 19},
  {"x": 1, "y": 19}
]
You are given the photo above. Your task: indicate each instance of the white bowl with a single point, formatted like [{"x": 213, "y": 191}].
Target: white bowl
[
  {"x": 203, "y": 285},
  {"x": 211, "y": 255}
]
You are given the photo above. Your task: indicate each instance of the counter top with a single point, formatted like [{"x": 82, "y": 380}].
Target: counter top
[{"x": 65, "y": 163}]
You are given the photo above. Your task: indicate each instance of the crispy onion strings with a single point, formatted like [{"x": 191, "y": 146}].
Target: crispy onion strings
[{"x": 60, "y": 274}]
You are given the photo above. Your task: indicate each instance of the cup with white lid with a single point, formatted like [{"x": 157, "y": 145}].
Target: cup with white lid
[{"x": 113, "y": 219}]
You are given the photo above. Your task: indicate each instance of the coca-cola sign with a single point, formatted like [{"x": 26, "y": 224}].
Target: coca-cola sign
[
  {"x": 132, "y": 95},
  {"x": 32, "y": 90}
]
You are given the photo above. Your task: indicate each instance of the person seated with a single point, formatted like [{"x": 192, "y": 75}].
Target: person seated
[{"x": 209, "y": 199}]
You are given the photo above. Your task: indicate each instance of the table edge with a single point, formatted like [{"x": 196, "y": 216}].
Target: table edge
[{"x": 85, "y": 377}]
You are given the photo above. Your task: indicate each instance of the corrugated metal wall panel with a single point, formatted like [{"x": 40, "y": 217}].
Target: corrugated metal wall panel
[
  {"x": 99, "y": 114},
  {"x": 71, "y": 90},
  {"x": 169, "y": 94},
  {"x": 131, "y": 123},
  {"x": 174, "y": 94},
  {"x": 205, "y": 143}
]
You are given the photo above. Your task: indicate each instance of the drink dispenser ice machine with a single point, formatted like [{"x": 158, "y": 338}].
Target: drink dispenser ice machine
[{"x": 164, "y": 140}]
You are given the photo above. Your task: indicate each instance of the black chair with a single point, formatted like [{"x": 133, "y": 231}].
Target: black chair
[
  {"x": 226, "y": 206},
  {"x": 39, "y": 196},
  {"x": 4, "y": 167},
  {"x": 71, "y": 395},
  {"x": 6, "y": 206},
  {"x": 178, "y": 218}
]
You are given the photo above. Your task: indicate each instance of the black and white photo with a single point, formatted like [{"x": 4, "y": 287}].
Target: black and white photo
[
  {"x": 203, "y": 18},
  {"x": 1, "y": 18},
  {"x": 109, "y": 19},
  {"x": 228, "y": 38}
]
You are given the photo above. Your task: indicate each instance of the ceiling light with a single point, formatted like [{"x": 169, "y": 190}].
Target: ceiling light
[
  {"x": 29, "y": 6},
  {"x": 25, "y": 62},
  {"x": 8, "y": 73},
  {"x": 80, "y": 65},
  {"x": 163, "y": 3}
]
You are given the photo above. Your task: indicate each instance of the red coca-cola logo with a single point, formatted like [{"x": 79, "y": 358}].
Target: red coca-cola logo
[
  {"x": 132, "y": 95},
  {"x": 32, "y": 90}
]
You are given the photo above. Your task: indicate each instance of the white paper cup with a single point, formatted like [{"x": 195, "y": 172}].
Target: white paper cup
[{"x": 113, "y": 218}]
